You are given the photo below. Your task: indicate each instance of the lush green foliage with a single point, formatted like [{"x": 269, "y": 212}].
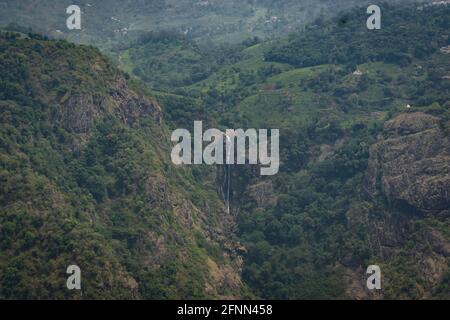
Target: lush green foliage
[
  {"x": 318, "y": 229},
  {"x": 406, "y": 33},
  {"x": 99, "y": 193},
  {"x": 314, "y": 223}
]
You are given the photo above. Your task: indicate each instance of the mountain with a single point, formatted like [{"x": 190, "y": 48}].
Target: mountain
[
  {"x": 363, "y": 177},
  {"x": 364, "y": 151},
  {"x": 106, "y": 22},
  {"x": 86, "y": 179}
]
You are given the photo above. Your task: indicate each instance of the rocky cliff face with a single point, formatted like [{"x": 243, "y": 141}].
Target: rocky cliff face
[
  {"x": 79, "y": 112},
  {"x": 411, "y": 163},
  {"x": 410, "y": 167}
]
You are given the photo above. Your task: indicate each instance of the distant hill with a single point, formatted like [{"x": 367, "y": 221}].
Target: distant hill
[{"x": 106, "y": 22}]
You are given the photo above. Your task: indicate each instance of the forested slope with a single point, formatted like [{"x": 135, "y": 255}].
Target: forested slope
[
  {"x": 86, "y": 179},
  {"x": 364, "y": 175}
]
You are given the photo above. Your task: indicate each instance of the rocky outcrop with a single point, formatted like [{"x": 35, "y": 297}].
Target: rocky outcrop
[
  {"x": 130, "y": 107},
  {"x": 411, "y": 163},
  {"x": 79, "y": 113},
  {"x": 410, "y": 167}
]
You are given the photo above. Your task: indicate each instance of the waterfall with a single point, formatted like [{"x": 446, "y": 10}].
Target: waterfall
[{"x": 228, "y": 173}]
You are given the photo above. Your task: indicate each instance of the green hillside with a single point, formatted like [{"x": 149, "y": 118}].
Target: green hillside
[
  {"x": 364, "y": 119},
  {"x": 313, "y": 231},
  {"x": 109, "y": 22},
  {"x": 86, "y": 180}
]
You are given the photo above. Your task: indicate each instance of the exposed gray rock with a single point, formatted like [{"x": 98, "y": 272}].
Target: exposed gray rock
[
  {"x": 411, "y": 163},
  {"x": 79, "y": 113}
]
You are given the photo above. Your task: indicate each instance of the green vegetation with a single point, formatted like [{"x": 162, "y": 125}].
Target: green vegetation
[
  {"x": 108, "y": 23},
  {"x": 85, "y": 181},
  {"x": 95, "y": 185},
  {"x": 330, "y": 99}
]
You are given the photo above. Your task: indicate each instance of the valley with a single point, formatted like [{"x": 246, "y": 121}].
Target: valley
[{"x": 363, "y": 118}]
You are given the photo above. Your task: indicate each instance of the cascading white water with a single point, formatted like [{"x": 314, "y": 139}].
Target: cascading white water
[{"x": 228, "y": 174}]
